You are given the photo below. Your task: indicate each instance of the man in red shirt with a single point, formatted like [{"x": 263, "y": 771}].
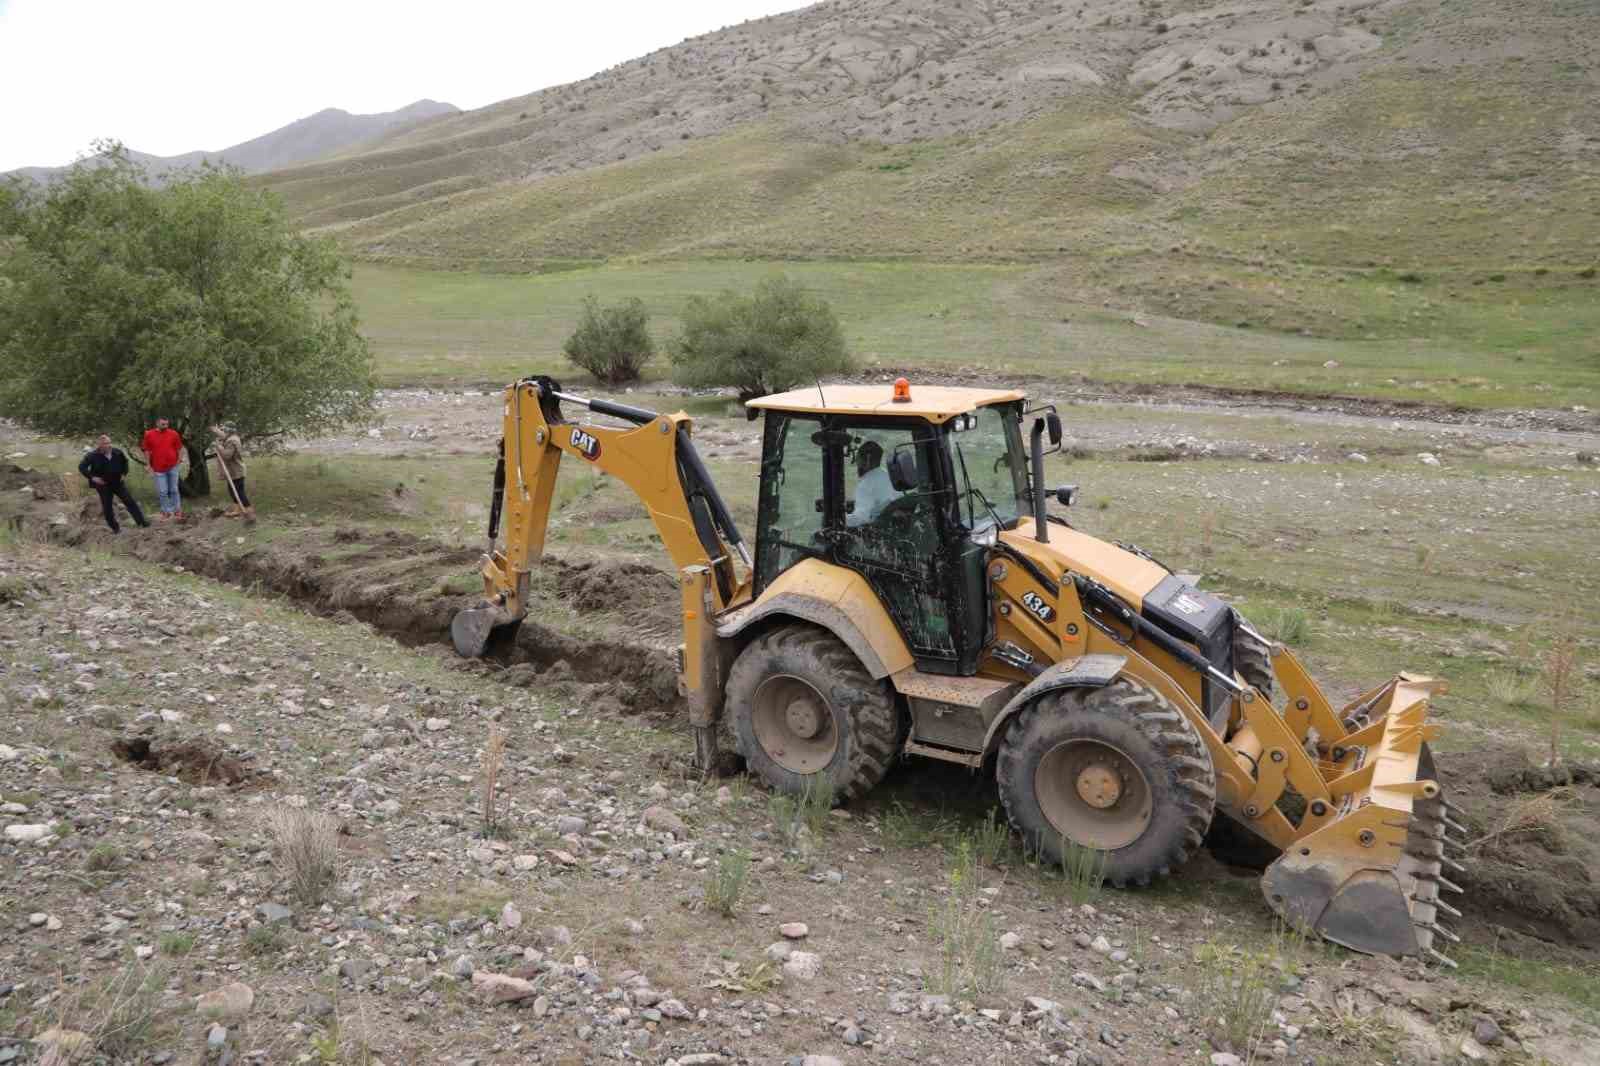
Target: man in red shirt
[{"x": 163, "y": 447}]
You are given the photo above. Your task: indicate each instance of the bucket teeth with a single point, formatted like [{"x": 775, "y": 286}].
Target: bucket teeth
[
  {"x": 1442, "y": 958},
  {"x": 1447, "y": 885},
  {"x": 1439, "y": 930},
  {"x": 1451, "y": 823},
  {"x": 1440, "y": 904},
  {"x": 1456, "y": 866}
]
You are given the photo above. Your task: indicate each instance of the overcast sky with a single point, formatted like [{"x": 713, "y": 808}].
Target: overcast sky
[{"x": 172, "y": 76}]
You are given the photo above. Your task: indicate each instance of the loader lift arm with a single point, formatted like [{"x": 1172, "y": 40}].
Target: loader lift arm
[{"x": 653, "y": 455}]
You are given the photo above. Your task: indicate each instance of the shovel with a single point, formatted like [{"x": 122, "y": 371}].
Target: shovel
[{"x": 234, "y": 491}]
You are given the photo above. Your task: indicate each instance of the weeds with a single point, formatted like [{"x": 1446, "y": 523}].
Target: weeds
[
  {"x": 102, "y": 857},
  {"x": 264, "y": 940},
  {"x": 969, "y": 944},
  {"x": 807, "y": 812},
  {"x": 992, "y": 839},
  {"x": 1083, "y": 870},
  {"x": 306, "y": 847},
  {"x": 1510, "y": 689},
  {"x": 176, "y": 945},
  {"x": 1237, "y": 989},
  {"x": 119, "y": 1012},
  {"x": 1286, "y": 625},
  {"x": 908, "y": 829},
  {"x": 494, "y": 751},
  {"x": 1560, "y": 666},
  {"x": 727, "y": 882},
  {"x": 1538, "y": 814}
]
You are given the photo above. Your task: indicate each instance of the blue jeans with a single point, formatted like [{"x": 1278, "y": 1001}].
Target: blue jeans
[{"x": 167, "y": 491}]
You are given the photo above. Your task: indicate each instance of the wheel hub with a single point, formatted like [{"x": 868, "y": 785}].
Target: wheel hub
[
  {"x": 794, "y": 724},
  {"x": 1099, "y": 786},
  {"x": 1093, "y": 794},
  {"x": 804, "y": 717}
]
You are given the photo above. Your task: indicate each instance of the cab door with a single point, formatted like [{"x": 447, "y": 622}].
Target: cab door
[{"x": 901, "y": 540}]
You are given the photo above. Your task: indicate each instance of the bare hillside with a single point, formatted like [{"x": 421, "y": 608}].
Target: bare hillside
[
  {"x": 328, "y": 131},
  {"x": 1330, "y": 131}
]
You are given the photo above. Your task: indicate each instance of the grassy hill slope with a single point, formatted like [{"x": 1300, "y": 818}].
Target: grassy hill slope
[{"x": 1369, "y": 171}]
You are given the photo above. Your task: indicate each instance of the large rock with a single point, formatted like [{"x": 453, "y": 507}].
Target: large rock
[
  {"x": 664, "y": 820},
  {"x": 231, "y": 1002},
  {"x": 29, "y": 834},
  {"x": 804, "y": 965},
  {"x": 501, "y": 988}
]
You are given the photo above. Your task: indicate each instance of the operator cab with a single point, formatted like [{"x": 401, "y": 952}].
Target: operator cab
[{"x": 906, "y": 487}]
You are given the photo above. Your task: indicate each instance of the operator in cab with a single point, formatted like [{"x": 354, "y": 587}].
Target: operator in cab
[{"x": 874, "y": 491}]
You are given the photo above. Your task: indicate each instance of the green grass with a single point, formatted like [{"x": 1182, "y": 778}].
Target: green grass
[
  {"x": 442, "y": 328},
  {"x": 1579, "y": 985}
]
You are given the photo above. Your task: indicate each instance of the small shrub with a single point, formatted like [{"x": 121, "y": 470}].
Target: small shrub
[
  {"x": 991, "y": 841},
  {"x": 494, "y": 751},
  {"x": 119, "y": 1012},
  {"x": 306, "y": 847},
  {"x": 783, "y": 810},
  {"x": 1083, "y": 870},
  {"x": 1509, "y": 689},
  {"x": 1236, "y": 991},
  {"x": 611, "y": 342},
  {"x": 264, "y": 940},
  {"x": 728, "y": 881},
  {"x": 777, "y": 338},
  {"x": 969, "y": 960},
  {"x": 102, "y": 857},
  {"x": 1560, "y": 672},
  {"x": 908, "y": 829},
  {"x": 176, "y": 944},
  {"x": 1286, "y": 625}
]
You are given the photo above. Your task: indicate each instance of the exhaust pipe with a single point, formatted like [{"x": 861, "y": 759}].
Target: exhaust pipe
[{"x": 1041, "y": 530}]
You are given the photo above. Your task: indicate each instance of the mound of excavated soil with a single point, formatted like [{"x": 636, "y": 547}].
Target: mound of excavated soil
[
  {"x": 43, "y": 486},
  {"x": 1533, "y": 864},
  {"x": 196, "y": 761},
  {"x": 390, "y": 581}
]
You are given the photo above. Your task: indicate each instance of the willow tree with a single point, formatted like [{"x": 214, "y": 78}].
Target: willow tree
[{"x": 122, "y": 300}]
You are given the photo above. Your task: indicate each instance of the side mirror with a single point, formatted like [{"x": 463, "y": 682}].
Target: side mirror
[
  {"x": 1052, "y": 426},
  {"x": 903, "y": 471},
  {"x": 1066, "y": 494}
]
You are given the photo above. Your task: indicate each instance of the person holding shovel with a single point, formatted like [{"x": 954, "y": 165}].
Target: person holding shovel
[{"x": 230, "y": 455}]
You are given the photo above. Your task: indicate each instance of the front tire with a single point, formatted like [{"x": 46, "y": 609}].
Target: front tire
[
  {"x": 804, "y": 709},
  {"x": 1118, "y": 769}
]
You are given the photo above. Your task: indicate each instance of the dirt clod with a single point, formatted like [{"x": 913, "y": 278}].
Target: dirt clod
[{"x": 195, "y": 761}]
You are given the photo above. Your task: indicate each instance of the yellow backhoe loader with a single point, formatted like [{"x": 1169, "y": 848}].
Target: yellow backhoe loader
[{"x": 910, "y": 594}]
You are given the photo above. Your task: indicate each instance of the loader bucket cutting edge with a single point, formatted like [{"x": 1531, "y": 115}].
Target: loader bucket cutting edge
[
  {"x": 1371, "y": 879},
  {"x": 474, "y": 629}
]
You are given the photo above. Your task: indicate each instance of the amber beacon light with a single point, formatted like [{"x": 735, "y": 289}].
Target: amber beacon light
[{"x": 902, "y": 390}]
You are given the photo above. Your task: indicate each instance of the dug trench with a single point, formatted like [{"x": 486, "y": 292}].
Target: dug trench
[{"x": 1533, "y": 834}]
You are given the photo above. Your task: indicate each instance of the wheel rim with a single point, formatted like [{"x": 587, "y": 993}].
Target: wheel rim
[
  {"x": 1093, "y": 794},
  {"x": 793, "y": 724}
]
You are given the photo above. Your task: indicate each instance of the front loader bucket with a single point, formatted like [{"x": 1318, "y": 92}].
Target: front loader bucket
[
  {"x": 475, "y": 629},
  {"x": 1370, "y": 878}
]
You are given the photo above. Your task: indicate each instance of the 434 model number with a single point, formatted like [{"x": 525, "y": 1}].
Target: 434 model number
[{"x": 1037, "y": 607}]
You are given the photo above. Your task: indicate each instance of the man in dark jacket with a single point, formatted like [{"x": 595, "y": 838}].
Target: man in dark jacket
[{"x": 106, "y": 467}]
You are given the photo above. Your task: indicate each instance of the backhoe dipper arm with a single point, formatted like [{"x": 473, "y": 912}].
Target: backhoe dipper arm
[{"x": 654, "y": 456}]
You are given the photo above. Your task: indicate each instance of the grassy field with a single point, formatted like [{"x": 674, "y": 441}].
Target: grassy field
[
  {"x": 1464, "y": 571},
  {"x": 1525, "y": 341}
]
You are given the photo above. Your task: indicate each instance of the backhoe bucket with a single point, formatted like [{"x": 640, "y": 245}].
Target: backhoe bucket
[
  {"x": 1370, "y": 878},
  {"x": 475, "y": 629}
]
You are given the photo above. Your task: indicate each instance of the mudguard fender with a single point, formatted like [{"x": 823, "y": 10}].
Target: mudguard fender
[{"x": 1083, "y": 671}]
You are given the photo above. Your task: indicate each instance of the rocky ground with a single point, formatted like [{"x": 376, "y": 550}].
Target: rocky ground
[{"x": 156, "y": 722}]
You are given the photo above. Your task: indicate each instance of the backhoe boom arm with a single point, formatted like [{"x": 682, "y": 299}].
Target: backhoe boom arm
[{"x": 653, "y": 455}]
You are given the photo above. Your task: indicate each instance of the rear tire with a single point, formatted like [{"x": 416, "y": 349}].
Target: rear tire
[
  {"x": 1252, "y": 660},
  {"x": 1118, "y": 769},
  {"x": 803, "y": 707}
]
